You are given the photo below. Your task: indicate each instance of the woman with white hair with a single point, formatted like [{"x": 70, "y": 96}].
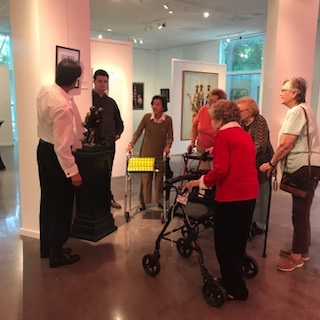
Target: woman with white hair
[
  {"x": 299, "y": 146},
  {"x": 255, "y": 124}
]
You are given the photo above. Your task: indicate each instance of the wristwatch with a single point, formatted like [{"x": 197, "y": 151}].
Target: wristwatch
[{"x": 272, "y": 165}]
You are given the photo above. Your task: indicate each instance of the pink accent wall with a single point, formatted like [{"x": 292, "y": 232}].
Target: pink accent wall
[
  {"x": 37, "y": 27},
  {"x": 289, "y": 51}
]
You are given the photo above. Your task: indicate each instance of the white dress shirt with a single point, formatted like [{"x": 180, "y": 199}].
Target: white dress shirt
[{"x": 56, "y": 125}]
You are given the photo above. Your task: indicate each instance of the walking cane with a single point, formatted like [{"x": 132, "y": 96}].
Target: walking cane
[{"x": 275, "y": 187}]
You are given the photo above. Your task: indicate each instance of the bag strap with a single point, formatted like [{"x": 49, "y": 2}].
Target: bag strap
[{"x": 308, "y": 142}]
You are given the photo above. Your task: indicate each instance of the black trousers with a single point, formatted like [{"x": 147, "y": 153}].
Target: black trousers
[
  {"x": 56, "y": 204},
  {"x": 231, "y": 230},
  {"x": 112, "y": 148}
]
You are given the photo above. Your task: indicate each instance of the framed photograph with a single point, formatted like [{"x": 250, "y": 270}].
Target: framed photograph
[
  {"x": 195, "y": 93},
  {"x": 64, "y": 53},
  {"x": 137, "y": 95},
  {"x": 165, "y": 93},
  {"x": 238, "y": 93}
]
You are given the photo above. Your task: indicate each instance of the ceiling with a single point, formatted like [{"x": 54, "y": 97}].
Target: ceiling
[{"x": 139, "y": 19}]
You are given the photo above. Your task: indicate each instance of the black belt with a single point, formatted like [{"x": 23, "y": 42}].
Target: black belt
[{"x": 45, "y": 142}]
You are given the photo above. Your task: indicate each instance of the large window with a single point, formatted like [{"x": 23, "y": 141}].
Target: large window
[
  {"x": 6, "y": 59},
  {"x": 243, "y": 57}
]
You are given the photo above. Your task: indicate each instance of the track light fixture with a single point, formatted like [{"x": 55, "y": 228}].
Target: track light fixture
[{"x": 162, "y": 25}]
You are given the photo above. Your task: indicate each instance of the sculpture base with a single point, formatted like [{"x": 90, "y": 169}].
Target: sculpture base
[
  {"x": 94, "y": 219},
  {"x": 93, "y": 230}
]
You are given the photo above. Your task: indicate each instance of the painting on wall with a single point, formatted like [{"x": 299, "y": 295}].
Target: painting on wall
[
  {"x": 195, "y": 93},
  {"x": 238, "y": 93},
  {"x": 67, "y": 53},
  {"x": 165, "y": 93},
  {"x": 137, "y": 95}
]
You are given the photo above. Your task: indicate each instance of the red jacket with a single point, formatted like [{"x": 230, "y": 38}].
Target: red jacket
[{"x": 234, "y": 170}]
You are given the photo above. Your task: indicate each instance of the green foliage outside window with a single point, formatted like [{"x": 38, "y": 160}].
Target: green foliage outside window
[
  {"x": 243, "y": 54},
  {"x": 5, "y": 58}
]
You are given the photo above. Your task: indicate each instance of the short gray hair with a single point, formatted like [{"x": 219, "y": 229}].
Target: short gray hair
[
  {"x": 251, "y": 105},
  {"x": 299, "y": 85}
]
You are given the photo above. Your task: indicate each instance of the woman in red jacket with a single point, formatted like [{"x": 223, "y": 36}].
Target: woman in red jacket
[{"x": 234, "y": 175}]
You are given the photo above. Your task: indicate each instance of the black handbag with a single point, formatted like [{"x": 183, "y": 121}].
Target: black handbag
[
  {"x": 294, "y": 185},
  {"x": 297, "y": 186}
]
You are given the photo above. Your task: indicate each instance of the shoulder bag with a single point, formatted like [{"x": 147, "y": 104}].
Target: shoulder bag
[{"x": 297, "y": 186}]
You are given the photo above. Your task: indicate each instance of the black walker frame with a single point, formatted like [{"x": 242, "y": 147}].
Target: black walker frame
[{"x": 213, "y": 291}]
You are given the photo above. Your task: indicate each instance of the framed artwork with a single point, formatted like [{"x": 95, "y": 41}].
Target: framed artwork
[
  {"x": 238, "y": 93},
  {"x": 64, "y": 53},
  {"x": 137, "y": 95},
  {"x": 165, "y": 93},
  {"x": 195, "y": 93}
]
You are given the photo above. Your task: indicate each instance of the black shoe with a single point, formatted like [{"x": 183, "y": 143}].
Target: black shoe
[
  {"x": 63, "y": 260},
  {"x": 114, "y": 204},
  {"x": 160, "y": 205},
  {"x": 142, "y": 207},
  {"x": 66, "y": 250}
]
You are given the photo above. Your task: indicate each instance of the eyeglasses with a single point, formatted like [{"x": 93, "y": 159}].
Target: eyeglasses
[
  {"x": 284, "y": 90},
  {"x": 243, "y": 110}
]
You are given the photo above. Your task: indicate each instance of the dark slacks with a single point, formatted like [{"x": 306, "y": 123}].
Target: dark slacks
[
  {"x": 56, "y": 204},
  {"x": 112, "y": 148},
  {"x": 231, "y": 229},
  {"x": 301, "y": 212}
]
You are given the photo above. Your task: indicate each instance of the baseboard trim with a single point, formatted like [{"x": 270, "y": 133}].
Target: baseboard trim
[{"x": 29, "y": 233}]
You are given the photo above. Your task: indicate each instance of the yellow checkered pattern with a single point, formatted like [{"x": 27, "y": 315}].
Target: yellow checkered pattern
[{"x": 141, "y": 164}]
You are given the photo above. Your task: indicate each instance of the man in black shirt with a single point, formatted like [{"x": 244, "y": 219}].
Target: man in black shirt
[{"x": 112, "y": 124}]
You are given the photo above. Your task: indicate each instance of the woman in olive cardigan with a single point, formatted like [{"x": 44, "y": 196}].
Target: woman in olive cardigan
[{"x": 157, "y": 139}]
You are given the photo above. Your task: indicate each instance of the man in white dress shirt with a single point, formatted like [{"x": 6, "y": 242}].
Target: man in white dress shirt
[{"x": 58, "y": 171}]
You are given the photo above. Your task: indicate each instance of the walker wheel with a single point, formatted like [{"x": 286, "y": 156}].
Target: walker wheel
[
  {"x": 190, "y": 234},
  {"x": 213, "y": 293},
  {"x": 151, "y": 265},
  {"x": 184, "y": 247},
  {"x": 250, "y": 267},
  {"x": 127, "y": 216},
  {"x": 184, "y": 231}
]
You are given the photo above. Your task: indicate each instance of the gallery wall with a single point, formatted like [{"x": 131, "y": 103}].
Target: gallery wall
[
  {"x": 154, "y": 69},
  {"x": 116, "y": 58}
]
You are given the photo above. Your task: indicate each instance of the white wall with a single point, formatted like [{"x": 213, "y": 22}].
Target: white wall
[
  {"x": 154, "y": 68},
  {"x": 5, "y": 108},
  {"x": 116, "y": 58}
]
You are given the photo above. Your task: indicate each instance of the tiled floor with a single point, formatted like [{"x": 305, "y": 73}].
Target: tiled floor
[{"x": 109, "y": 281}]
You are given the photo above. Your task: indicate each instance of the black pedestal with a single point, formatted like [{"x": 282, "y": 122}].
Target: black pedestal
[{"x": 93, "y": 219}]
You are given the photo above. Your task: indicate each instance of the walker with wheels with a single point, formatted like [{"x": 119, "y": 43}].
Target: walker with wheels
[
  {"x": 140, "y": 165},
  {"x": 213, "y": 290}
]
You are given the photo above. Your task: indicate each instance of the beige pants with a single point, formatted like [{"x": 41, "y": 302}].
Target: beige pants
[{"x": 146, "y": 187}]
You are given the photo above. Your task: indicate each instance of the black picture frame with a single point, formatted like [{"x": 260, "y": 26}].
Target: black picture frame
[
  {"x": 64, "y": 53},
  {"x": 165, "y": 93},
  {"x": 137, "y": 95}
]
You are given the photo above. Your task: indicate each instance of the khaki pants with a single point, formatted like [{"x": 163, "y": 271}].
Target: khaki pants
[{"x": 146, "y": 187}]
